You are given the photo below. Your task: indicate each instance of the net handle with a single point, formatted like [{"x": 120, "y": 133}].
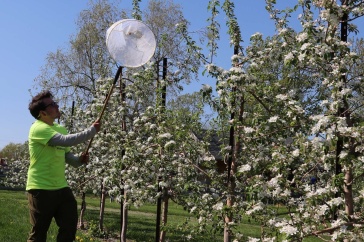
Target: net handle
[{"x": 118, "y": 74}]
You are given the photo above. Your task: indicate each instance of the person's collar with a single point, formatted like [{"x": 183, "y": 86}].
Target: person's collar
[{"x": 47, "y": 121}]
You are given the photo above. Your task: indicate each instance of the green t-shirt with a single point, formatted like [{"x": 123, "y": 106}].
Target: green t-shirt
[{"x": 47, "y": 163}]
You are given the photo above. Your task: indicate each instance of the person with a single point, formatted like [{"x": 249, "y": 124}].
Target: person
[{"x": 49, "y": 195}]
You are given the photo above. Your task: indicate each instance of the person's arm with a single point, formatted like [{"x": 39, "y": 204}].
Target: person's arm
[
  {"x": 73, "y": 160},
  {"x": 77, "y": 161},
  {"x": 72, "y": 139}
]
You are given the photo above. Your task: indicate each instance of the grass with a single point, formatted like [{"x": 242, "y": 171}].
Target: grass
[
  {"x": 14, "y": 218},
  {"x": 142, "y": 221},
  {"x": 14, "y": 222}
]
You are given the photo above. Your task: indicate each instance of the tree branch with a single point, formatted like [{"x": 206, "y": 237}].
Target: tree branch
[
  {"x": 260, "y": 101},
  {"x": 332, "y": 229}
]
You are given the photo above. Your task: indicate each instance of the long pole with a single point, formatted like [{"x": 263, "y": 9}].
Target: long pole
[
  {"x": 118, "y": 74},
  {"x": 123, "y": 204},
  {"x": 159, "y": 201}
]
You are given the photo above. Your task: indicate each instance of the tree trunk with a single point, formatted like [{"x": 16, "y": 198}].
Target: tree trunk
[
  {"x": 229, "y": 203},
  {"x": 102, "y": 208},
  {"x": 83, "y": 209},
  {"x": 348, "y": 191},
  {"x": 158, "y": 215},
  {"x": 124, "y": 218},
  {"x": 164, "y": 214},
  {"x": 231, "y": 187},
  {"x": 228, "y": 219},
  {"x": 235, "y": 149}
]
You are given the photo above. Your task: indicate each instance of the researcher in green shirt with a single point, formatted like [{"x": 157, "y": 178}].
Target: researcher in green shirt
[{"x": 48, "y": 193}]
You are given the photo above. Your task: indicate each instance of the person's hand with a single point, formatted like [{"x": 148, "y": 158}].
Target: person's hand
[
  {"x": 97, "y": 125},
  {"x": 85, "y": 158}
]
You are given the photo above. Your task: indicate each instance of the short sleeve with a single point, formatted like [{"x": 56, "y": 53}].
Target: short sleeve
[{"x": 41, "y": 133}]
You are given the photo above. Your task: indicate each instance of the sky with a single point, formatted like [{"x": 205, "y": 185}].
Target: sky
[{"x": 33, "y": 28}]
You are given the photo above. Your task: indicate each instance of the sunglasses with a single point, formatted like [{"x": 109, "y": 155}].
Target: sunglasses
[{"x": 52, "y": 104}]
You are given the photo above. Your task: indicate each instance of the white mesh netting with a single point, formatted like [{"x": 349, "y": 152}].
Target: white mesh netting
[{"x": 130, "y": 42}]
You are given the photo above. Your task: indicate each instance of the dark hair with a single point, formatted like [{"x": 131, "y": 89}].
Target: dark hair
[{"x": 37, "y": 104}]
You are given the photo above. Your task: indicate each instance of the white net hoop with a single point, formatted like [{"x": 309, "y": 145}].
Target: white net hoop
[{"x": 130, "y": 42}]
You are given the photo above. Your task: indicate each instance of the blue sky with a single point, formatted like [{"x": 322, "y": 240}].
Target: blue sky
[{"x": 32, "y": 28}]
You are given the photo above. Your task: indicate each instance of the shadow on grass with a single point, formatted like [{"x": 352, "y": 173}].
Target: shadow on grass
[{"x": 142, "y": 228}]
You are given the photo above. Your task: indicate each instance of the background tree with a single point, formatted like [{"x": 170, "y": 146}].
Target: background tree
[
  {"x": 14, "y": 174},
  {"x": 73, "y": 71},
  {"x": 12, "y": 151}
]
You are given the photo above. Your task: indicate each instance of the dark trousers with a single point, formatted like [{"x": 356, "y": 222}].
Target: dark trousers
[{"x": 45, "y": 205}]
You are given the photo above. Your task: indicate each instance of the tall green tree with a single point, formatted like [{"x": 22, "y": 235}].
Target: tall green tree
[
  {"x": 73, "y": 70},
  {"x": 14, "y": 151}
]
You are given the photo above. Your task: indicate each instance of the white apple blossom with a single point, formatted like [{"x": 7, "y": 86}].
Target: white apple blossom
[
  {"x": 244, "y": 168},
  {"x": 282, "y": 97},
  {"x": 218, "y": 206},
  {"x": 206, "y": 87},
  {"x": 255, "y": 208},
  {"x": 257, "y": 35},
  {"x": 288, "y": 57},
  {"x": 288, "y": 229},
  {"x": 301, "y": 56},
  {"x": 346, "y": 91},
  {"x": 169, "y": 144},
  {"x": 236, "y": 70},
  {"x": 296, "y": 153},
  {"x": 343, "y": 154},
  {"x": 250, "y": 239},
  {"x": 305, "y": 46},
  {"x": 302, "y": 37},
  {"x": 273, "y": 119},
  {"x": 248, "y": 130},
  {"x": 165, "y": 136}
]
